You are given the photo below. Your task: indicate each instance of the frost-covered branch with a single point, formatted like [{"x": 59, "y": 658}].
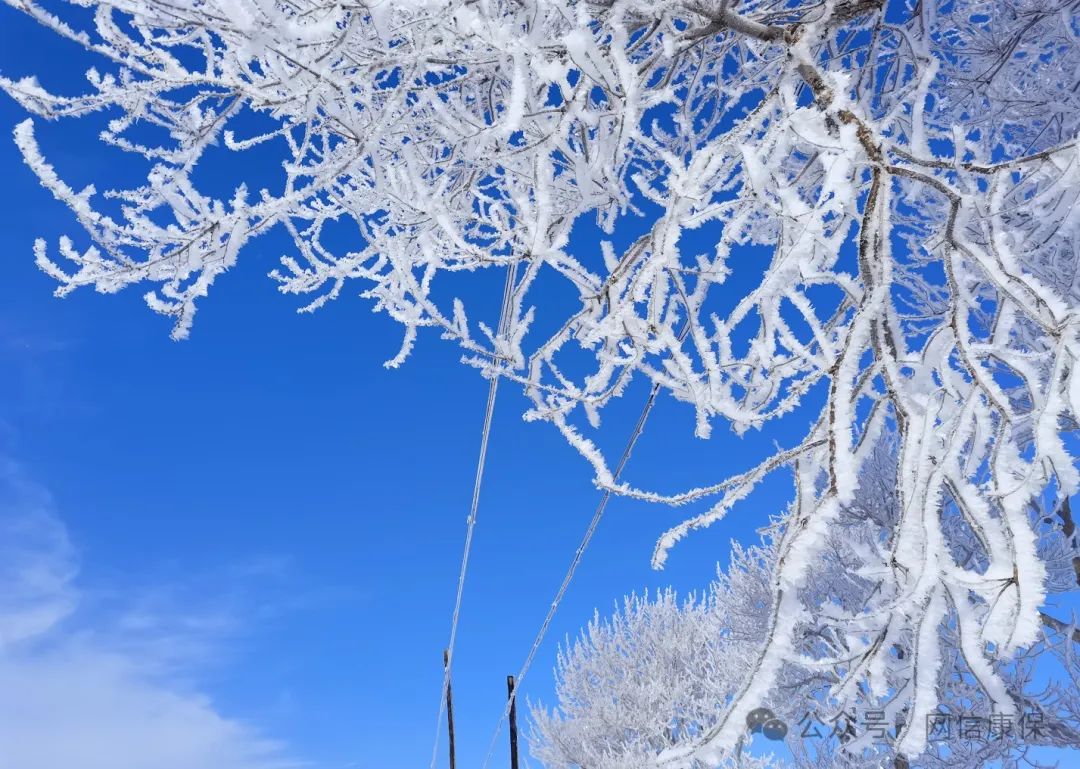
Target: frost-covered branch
[{"x": 647, "y": 679}]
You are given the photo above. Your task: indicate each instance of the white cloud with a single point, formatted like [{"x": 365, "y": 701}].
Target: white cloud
[{"x": 86, "y": 692}]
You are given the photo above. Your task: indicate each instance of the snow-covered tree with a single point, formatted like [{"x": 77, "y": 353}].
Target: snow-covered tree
[
  {"x": 648, "y": 679},
  {"x": 891, "y": 184}
]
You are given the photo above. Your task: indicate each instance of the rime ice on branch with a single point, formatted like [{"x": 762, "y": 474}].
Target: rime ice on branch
[
  {"x": 912, "y": 169},
  {"x": 647, "y": 680}
]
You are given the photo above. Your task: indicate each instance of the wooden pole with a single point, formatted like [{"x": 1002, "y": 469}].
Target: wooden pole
[
  {"x": 449, "y": 708},
  {"x": 513, "y": 722}
]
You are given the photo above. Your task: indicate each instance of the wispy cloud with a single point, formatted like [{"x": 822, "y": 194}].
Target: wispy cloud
[{"x": 97, "y": 690}]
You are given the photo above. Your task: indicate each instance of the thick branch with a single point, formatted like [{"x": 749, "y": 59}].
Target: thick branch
[{"x": 725, "y": 18}]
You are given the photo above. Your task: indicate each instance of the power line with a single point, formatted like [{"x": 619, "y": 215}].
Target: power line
[
  {"x": 489, "y": 410},
  {"x": 569, "y": 576}
]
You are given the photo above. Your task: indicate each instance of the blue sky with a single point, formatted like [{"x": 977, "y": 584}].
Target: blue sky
[{"x": 261, "y": 526}]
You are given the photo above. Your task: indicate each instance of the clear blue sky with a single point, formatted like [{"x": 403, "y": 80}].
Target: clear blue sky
[{"x": 267, "y": 522}]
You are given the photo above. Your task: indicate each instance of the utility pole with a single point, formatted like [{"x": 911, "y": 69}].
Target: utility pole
[
  {"x": 513, "y": 722},
  {"x": 449, "y": 707}
]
